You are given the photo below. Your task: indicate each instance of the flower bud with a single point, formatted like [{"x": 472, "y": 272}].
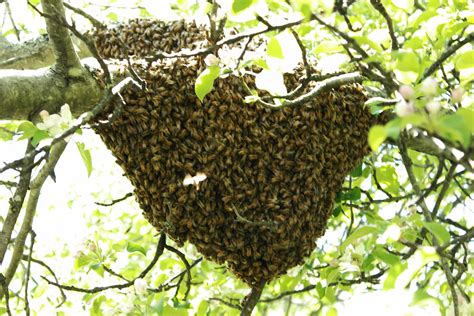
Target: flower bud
[
  {"x": 429, "y": 87},
  {"x": 403, "y": 108},
  {"x": 457, "y": 95},
  {"x": 407, "y": 92},
  {"x": 140, "y": 286},
  {"x": 433, "y": 107},
  {"x": 211, "y": 60},
  {"x": 44, "y": 115}
]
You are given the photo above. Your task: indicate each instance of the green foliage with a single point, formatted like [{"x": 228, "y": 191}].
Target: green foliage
[
  {"x": 205, "y": 81},
  {"x": 86, "y": 157}
]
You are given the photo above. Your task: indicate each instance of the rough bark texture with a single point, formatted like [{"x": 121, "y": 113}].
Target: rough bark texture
[{"x": 23, "y": 93}]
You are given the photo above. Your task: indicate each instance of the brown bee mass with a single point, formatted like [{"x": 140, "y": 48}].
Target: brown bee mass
[{"x": 272, "y": 175}]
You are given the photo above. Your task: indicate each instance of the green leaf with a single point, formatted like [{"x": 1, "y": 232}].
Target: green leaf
[
  {"x": 203, "y": 307},
  {"x": 205, "y": 81},
  {"x": 363, "y": 40},
  {"x": 439, "y": 231},
  {"x": 135, "y": 247},
  {"x": 82, "y": 260},
  {"x": 39, "y": 136},
  {"x": 112, "y": 16},
  {"x": 321, "y": 290},
  {"x": 456, "y": 127},
  {"x": 386, "y": 256},
  {"x": 332, "y": 312},
  {"x": 337, "y": 211},
  {"x": 168, "y": 310},
  {"x": 465, "y": 60},
  {"x": 352, "y": 195},
  {"x": 86, "y": 157},
  {"x": 241, "y": 5},
  {"x": 357, "y": 171},
  {"x": 359, "y": 233},
  {"x": 28, "y": 130},
  {"x": 377, "y": 136},
  {"x": 274, "y": 48},
  {"x": 98, "y": 268},
  {"x": 6, "y": 133},
  {"x": 407, "y": 61}
]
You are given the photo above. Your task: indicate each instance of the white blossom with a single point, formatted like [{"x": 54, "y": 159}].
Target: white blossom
[
  {"x": 140, "y": 286},
  {"x": 457, "y": 94},
  {"x": 55, "y": 124},
  {"x": 429, "y": 87},
  {"x": 404, "y": 109},
  {"x": 407, "y": 92},
  {"x": 433, "y": 107}
]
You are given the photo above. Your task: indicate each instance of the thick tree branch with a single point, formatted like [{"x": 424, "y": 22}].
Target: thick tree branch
[
  {"x": 252, "y": 298},
  {"x": 26, "y": 92},
  {"x": 64, "y": 51},
  {"x": 34, "y": 54}
]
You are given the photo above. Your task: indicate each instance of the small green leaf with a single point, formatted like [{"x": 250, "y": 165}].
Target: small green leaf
[
  {"x": 407, "y": 61},
  {"x": 274, "y": 48},
  {"x": 203, "y": 307},
  {"x": 359, "y": 233},
  {"x": 205, "y": 81},
  {"x": 112, "y": 16},
  {"x": 241, "y": 5},
  {"x": 86, "y": 157},
  {"x": 332, "y": 312},
  {"x": 135, "y": 247},
  {"x": 357, "y": 171},
  {"x": 465, "y": 60},
  {"x": 439, "y": 231},
  {"x": 337, "y": 211},
  {"x": 385, "y": 256},
  {"x": 39, "y": 136},
  {"x": 456, "y": 127},
  {"x": 28, "y": 129},
  {"x": 320, "y": 289},
  {"x": 377, "y": 136}
]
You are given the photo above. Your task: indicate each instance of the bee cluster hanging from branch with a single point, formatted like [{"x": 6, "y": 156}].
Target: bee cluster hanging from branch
[{"x": 247, "y": 185}]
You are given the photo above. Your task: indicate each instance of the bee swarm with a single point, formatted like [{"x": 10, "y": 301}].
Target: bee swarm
[{"x": 272, "y": 175}]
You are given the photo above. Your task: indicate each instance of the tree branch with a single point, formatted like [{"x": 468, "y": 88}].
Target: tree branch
[
  {"x": 35, "y": 190},
  {"x": 252, "y": 298},
  {"x": 445, "y": 55},
  {"x": 64, "y": 51},
  {"x": 16, "y": 202}
]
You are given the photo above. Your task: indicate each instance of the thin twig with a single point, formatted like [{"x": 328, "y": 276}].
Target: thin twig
[
  {"x": 12, "y": 21},
  {"x": 188, "y": 270},
  {"x": 444, "y": 189},
  {"x": 51, "y": 271},
  {"x": 377, "y": 4},
  {"x": 159, "y": 251},
  {"x": 427, "y": 214},
  {"x": 123, "y": 198},
  {"x": 450, "y": 50},
  {"x": 28, "y": 271},
  {"x": 5, "y": 290},
  {"x": 89, "y": 17}
]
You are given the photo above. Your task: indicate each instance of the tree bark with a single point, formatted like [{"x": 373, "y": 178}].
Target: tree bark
[{"x": 24, "y": 93}]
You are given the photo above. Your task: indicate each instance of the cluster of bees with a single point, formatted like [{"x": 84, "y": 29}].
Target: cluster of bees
[{"x": 270, "y": 175}]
